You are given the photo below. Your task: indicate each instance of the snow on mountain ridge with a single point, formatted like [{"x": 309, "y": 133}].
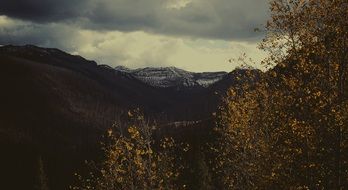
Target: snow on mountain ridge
[{"x": 173, "y": 77}]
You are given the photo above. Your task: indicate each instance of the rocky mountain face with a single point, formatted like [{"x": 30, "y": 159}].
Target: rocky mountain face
[{"x": 165, "y": 77}]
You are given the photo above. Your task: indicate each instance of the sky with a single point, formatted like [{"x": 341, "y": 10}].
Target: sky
[{"x": 196, "y": 35}]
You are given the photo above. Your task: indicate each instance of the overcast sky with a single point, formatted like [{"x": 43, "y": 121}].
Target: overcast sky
[{"x": 196, "y": 35}]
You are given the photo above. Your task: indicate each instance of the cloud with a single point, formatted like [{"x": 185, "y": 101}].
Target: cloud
[
  {"x": 140, "y": 49},
  {"x": 197, "y": 35},
  {"x": 18, "y": 32},
  {"x": 211, "y": 19},
  {"x": 131, "y": 49},
  {"x": 43, "y": 11}
]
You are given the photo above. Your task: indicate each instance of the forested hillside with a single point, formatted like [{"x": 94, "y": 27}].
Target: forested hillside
[{"x": 55, "y": 104}]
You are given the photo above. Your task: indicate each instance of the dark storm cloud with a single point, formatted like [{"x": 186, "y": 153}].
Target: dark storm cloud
[
  {"x": 216, "y": 19},
  {"x": 43, "y": 10},
  {"x": 17, "y": 32},
  {"x": 219, "y": 19}
]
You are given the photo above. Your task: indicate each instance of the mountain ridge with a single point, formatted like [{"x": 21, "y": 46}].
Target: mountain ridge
[
  {"x": 165, "y": 77},
  {"x": 162, "y": 77}
]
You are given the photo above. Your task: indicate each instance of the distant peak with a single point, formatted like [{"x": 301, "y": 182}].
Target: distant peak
[
  {"x": 172, "y": 76},
  {"x": 122, "y": 68}
]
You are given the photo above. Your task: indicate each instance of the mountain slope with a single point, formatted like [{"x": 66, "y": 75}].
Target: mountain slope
[{"x": 54, "y": 104}]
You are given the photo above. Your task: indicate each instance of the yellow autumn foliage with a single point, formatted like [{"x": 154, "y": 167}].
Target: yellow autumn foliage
[
  {"x": 134, "y": 162},
  {"x": 289, "y": 130}
]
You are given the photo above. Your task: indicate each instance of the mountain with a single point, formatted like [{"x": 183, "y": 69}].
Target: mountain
[
  {"x": 55, "y": 104},
  {"x": 165, "y": 77}
]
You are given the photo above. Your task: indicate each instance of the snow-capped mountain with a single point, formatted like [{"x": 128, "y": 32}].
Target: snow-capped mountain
[{"x": 165, "y": 77}]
